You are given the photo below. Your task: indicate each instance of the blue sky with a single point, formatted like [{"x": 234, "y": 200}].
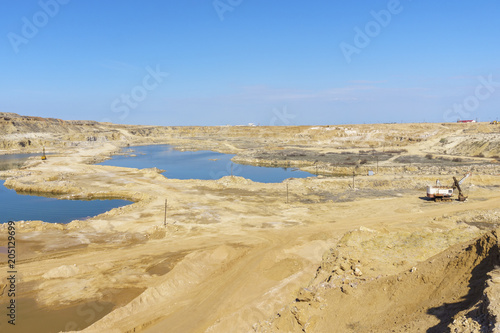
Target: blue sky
[{"x": 240, "y": 61}]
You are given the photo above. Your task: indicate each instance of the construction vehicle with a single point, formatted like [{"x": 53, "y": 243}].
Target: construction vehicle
[
  {"x": 44, "y": 157},
  {"x": 494, "y": 122},
  {"x": 445, "y": 193}
]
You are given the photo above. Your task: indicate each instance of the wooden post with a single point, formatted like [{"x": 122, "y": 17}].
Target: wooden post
[
  {"x": 165, "y": 217},
  {"x": 231, "y": 169},
  {"x": 287, "y": 193}
]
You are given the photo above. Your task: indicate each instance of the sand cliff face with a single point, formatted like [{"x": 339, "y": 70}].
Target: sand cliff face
[
  {"x": 24, "y": 133},
  {"x": 392, "y": 148},
  {"x": 236, "y": 255}
]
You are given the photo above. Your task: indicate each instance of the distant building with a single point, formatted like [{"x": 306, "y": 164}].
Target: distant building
[{"x": 466, "y": 121}]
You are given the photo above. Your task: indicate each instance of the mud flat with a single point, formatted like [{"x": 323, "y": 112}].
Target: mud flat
[{"x": 236, "y": 255}]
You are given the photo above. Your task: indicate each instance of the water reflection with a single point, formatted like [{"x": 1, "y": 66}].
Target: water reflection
[
  {"x": 14, "y": 161},
  {"x": 15, "y": 207},
  {"x": 198, "y": 165}
]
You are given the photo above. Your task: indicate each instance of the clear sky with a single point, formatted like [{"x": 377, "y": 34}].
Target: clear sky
[{"x": 186, "y": 62}]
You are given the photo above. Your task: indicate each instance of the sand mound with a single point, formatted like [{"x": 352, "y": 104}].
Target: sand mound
[
  {"x": 62, "y": 272},
  {"x": 446, "y": 289},
  {"x": 186, "y": 276}
]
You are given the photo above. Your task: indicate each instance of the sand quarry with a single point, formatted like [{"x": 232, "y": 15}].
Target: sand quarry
[{"x": 235, "y": 256}]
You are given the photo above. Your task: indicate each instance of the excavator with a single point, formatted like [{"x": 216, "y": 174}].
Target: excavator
[
  {"x": 456, "y": 185},
  {"x": 445, "y": 193},
  {"x": 44, "y": 157}
]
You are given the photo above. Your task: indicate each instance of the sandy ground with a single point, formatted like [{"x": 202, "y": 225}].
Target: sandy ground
[{"x": 234, "y": 256}]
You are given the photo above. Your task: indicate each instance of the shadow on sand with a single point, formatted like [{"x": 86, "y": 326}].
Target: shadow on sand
[{"x": 477, "y": 285}]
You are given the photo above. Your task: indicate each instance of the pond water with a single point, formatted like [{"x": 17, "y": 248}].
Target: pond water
[
  {"x": 198, "y": 164},
  {"x": 17, "y": 207},
  {"x": 14, "y": 161}
]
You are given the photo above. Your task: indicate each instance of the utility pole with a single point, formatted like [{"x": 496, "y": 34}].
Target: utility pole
[
  {"x": 353, "y": 174},
  {"x": 287, "y": 193},
  {"x": 377, "y": 164},
  {"x": 165, "y": 217}
]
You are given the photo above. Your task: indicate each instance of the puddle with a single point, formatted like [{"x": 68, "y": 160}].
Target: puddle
[
  {"x": 30, "y": 317},
  {"x": 14, "y": 161}
]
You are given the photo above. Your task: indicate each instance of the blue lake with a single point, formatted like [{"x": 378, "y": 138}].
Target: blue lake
[
  {"x": 16, "y": 207},
  {"x": 198, "y": 164}
]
